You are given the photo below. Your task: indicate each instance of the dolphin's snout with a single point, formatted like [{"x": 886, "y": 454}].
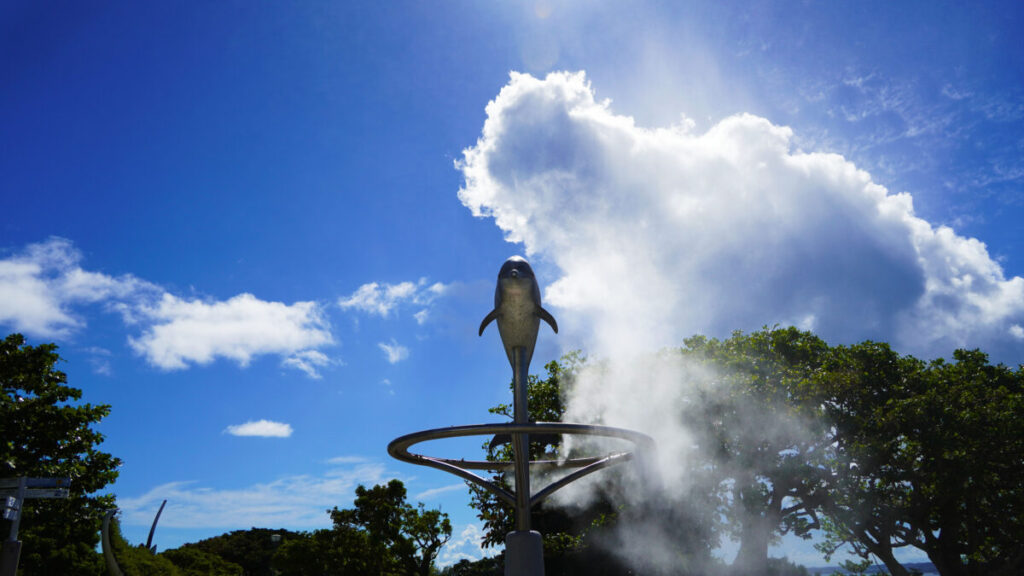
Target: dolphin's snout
[{"x": 515, "y": 273}]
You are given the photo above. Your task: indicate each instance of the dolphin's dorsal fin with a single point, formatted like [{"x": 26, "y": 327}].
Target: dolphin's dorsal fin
[
  {"x": 491, "y": 316},
  {"x": 547, "y": 317}
]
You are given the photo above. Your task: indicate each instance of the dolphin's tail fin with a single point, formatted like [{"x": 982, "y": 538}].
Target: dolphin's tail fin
[
  {"x": 547, "y": 317},
  {"x": 488, "y": 319}
]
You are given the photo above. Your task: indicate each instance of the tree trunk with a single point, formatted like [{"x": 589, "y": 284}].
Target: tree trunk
[
  {"x": 752, "y": 558},
  {"x": 884, "y": 553},
  {"x": 946, "y": 564},
  {"x": 761, "y": 520}
]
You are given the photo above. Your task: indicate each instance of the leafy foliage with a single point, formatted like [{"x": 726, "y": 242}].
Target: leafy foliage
[
  {"x": 929, "y": 456},
  {"x": 874, "y": 450},
  {"x": 758, "y": 435},
  {"x": 382, "y": 534},
  {"x": 252, "y": 549},
  {"x": 45, "y": 432},
  {"x": 398, "y": 537},
  {"x": 195, "y": 562},
  {"x": 490, "y": 566},
  {"x": 137, "y": 560}
]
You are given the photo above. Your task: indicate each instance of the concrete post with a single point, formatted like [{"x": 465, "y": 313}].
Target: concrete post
[{"x": 524, "y": 554}]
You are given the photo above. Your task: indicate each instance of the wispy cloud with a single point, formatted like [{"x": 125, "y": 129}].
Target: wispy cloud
[
  {"x": 347, "y": 460},
  {"x": 394, "y": 351},
  {"x": 262, "y": 428},
  {"x": 308, "y": 361},
  {"x": 383, "y": 299},
  {"x": 435, "y": 492},
  {"x": 99, "y": 359},
  {"x": 296, "y": 502}
]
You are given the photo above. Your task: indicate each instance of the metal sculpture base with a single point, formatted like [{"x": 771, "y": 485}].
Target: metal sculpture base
[{"x": 524, "y": 554}]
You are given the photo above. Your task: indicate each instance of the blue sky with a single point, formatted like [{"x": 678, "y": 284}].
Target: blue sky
[{"x": 292, "y": 215}]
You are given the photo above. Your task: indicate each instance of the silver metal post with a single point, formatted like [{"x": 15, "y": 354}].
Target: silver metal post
[
  {"x": 16, "y": 522},
  {"x": 524, "y": 548},
  {"x": 12, "y": 547},
  {"x": 521, "y": 441}
]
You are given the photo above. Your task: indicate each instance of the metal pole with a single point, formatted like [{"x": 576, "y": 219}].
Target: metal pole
[
  {"x": 12, "y": 547},
  {"x": 521, "y": 441},
  {"x": 152, "y": 529},
  {"x": 16, "y": 522},
  {"x": 524, "y": 548}
]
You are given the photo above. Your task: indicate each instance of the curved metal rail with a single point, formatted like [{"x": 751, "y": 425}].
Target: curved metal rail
[{"x": 399, "y": 448}]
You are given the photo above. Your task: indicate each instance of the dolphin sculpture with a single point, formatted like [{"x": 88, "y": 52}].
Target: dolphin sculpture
[{"x": 517, "y": 310}]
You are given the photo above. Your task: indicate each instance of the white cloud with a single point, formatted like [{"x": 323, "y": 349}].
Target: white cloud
[
  {"x": 657, "y": 234},
  {"x": 39, "y": 286},
  {"x": 347, "y": 460},
  {"x": 434, "y": 492},
  {"x": 184, "y": 332},
  {"x": 295, "y": 502},
  {"x": 308, "y": 361},
  {"x": 262, "y": 428},
  {"x": 99, "y": 358},
  {"x": 394, "y": 351},
  {"x": 465, "y": 544},
  {"x": 383, "y": 299}
]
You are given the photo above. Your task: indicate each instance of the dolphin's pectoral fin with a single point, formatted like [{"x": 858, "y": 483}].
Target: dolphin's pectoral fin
[
  {"x": 547, "y": 317},
  {"x": 491, "y": 316}
]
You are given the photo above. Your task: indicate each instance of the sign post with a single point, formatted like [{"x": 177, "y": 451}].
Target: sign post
[{"x": 13, "y": 492}]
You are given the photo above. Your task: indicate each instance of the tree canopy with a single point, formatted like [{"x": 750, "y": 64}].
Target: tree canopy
[
  {"x": 865, "y": 448},
  {"x": 46, "y": 432},
  {"x": 858, "y": 445},
  {"x": 382, "y": 534},
  {"x": 929, "y": 455}
]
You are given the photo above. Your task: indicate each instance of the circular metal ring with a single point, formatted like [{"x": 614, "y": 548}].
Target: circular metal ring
[{"x": 399, "y": 448}]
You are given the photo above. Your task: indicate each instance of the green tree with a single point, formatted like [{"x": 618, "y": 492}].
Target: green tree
[
  {"x": 929, "y": 456},
  {"x": 45, "y": 432},
  {"x": 195, "y": 562},
  {"x": 399, "y": 538},
  {"x": 251, "y": 549},
  {"x": 761, "y": 440},
  {"x": 382, "y": 535},
  {"x": 137, "y": 560},
  {"x": 491, "y": 566},
  {"x": 322, "y": 552}
]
